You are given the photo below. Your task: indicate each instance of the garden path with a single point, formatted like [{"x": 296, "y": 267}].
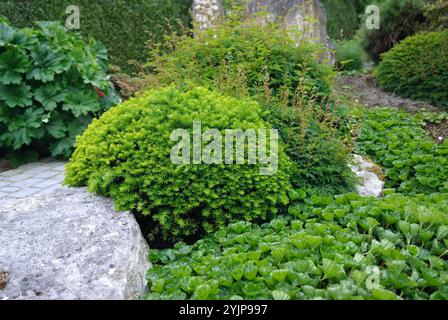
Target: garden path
[
  {"x": 37, "y": 178},
  {"x": 364, "y": 90}
]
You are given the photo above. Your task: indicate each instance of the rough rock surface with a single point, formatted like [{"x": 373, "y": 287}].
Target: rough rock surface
[
  {"x": 370, "y": 181},
  {"x": 205, "y": 12},
  {"x": 70, "y": 244}
]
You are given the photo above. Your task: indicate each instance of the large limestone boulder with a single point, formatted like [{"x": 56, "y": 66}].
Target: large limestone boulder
[{"x": 70, "y": 244}]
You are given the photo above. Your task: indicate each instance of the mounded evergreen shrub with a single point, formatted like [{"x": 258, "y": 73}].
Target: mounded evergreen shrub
[
  {"x": 264, "y": 62},
  {"x": 126, "y": 155},
  {"x": 243, "y": 57},
  {"x": 123, "y": 26},
  {"x": 418, "y": 68},
  {"x": 52, "y": 83}
]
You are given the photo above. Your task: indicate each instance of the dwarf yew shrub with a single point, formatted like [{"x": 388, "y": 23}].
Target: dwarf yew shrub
[{"x": 126, "y": 155}]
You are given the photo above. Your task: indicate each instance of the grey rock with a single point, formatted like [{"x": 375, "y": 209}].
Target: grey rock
[
  {"x": 70, "y": 244},
  {"x": 368, "y": 174}
]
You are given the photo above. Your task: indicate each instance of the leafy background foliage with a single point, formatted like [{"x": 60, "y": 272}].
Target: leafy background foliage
[
  {"x": 343, "y": 17},
  {"x": 47, "y": 88},
  {"x": 126, "y": 155},
  {"x": 349, "y": 55},
  {"x": 326, "y": 249},
  {"x": 417, "y": 68},
  {"x": 123, "y": 26}
]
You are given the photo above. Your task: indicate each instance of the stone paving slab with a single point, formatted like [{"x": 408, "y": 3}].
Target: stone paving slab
[{"x": 36, "y": 178}]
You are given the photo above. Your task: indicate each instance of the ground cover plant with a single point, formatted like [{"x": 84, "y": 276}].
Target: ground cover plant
[
  {"x": 125, "y": 154},
  {"x": 52, "y": 83},
  {"x": 326, "y": 249},
  {"x": 399, "y": 71},
  {"x": 413, "y": 162}
]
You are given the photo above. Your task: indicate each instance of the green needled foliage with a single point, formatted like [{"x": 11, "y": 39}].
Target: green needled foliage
[
  {"x": 264, "y": 62},
  {"x": 126, "y": 155},
  {"x": 52, "y": 83},
  {"x": 347, "y": 247},
  {"x": 417, "y": 68},
  {"x": 243, "y": 58}
]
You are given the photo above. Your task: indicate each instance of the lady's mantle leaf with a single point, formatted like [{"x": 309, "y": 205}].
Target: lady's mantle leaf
[{"x": 16, "y": 95}]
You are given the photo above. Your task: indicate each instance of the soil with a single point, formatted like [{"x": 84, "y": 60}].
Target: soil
[
  {"x": 3, "y": 279},
  {"x": 4, "y": 165},
  {"x": 439, "y": 132},
  {"x": 365, "y": 90}
]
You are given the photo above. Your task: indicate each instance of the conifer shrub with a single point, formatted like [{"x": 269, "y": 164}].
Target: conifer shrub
[
  {"x": 243, "y": 57},
  {"x": 418, "y": 68},
  {"x": 342, "y": 18},
  {"x": 264, "y": 62},
  {"x": 125, "y": 154}
]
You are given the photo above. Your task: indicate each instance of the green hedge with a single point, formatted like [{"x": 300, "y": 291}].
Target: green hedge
[
  {"x": 123, "y": 26},
  {"x": 417, "y": 68}
]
